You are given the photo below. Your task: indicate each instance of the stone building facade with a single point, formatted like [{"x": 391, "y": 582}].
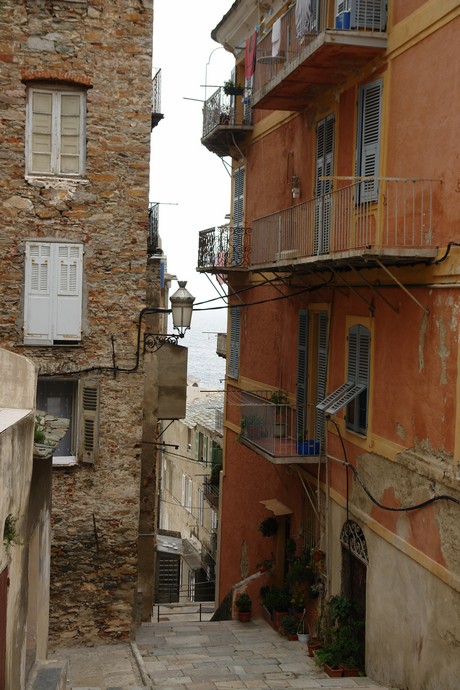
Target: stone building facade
[{"x": 75, "y": 123}]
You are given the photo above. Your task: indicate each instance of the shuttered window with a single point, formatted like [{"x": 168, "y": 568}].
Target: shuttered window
[
  {"x": 354, "y": 392},
  {"x": 53, "y": 293},
  {"x": 302, "y": 372},
  {"x": 89, "y": 418},
  {"x": 55, "y": 132},
  {"x": 234, "y": 359},
  {"x": 323, "y": 188},
  {"x": 368, "y": 152},
  {"x": 322, "y": 374},
  {"x": 238, "y": 217}
]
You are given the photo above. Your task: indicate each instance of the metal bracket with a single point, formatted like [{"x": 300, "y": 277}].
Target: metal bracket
[
  {"x": 408, "y": 293},
  {"x": 153, "y": 341}
]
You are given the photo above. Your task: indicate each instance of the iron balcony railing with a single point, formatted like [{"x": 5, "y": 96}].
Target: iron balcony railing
[
  {"x": 299, "y": 27},
  {"x": 394, "y": 214},
  {"x": 274, "y": 428},
  {"x": 224, "y": 109},
  {"x": 152, "y": 230},
  {"x": 223, "y": 247},
  {"x": 211, "y": 492},
  {"x": 156, "y": 99}
]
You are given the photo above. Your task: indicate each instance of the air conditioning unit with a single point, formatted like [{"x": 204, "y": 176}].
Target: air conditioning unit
[{"x": 369, "y": 15}]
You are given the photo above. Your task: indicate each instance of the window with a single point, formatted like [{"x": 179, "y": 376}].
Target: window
[
  {"x": 214, "y": 519},
  {"x": 323, "y": 188},
  {"x": 79, "y": 403},
  {"x": 368, "y": 151},
  {"x": 234, "y": 359},
  {"x": 312, "y": 359},
  {"x": 353, "y": 393},
  {"x": 55, "y": 132},
  {"x": 53, "y": 293},
  {"x": 187, "y": 492},
  {"x": 200, "y": 507}
]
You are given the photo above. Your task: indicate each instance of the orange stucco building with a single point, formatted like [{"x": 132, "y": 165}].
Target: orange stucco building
[{"x": 342, "y": 262}]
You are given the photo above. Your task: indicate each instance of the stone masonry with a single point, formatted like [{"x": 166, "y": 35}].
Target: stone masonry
[{"x": 103, "y": 46}]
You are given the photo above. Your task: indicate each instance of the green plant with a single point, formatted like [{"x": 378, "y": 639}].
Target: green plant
[
  {"x": 289, "y": 624},
  {"x": 269, "y": 526},
  {"x": 275, "y": 598},
  {"x": 39, "y": 434},
  {"x": 243, "y": 603},
  {"x": 10, "y": 535},
  {"x": 230, "y": 87},
  {"x": 264, "y": 565},
  {"x": 279, "y": 397},
  {"x": 342, "y": 631},
  {"x": 298, "y": 599}
]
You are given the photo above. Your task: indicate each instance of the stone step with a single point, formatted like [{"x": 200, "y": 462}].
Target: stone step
[{"x": 48, "y": 675}]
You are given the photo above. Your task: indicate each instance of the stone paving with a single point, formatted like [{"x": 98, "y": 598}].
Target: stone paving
[{"x": 187, "y": 655}]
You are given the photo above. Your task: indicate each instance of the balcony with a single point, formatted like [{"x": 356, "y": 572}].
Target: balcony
[
  {"x": 156, "y": 99},
  {"x": 223, "y": 248},
  {"x": 276, "y": 430},
  {"x": 370, "y": 221},
  {"x": 307, "y": 57},
  {"x": 152, "y": 229},
  {"x": 211, "y": 492},
  {"x": 227, "y": 119}
]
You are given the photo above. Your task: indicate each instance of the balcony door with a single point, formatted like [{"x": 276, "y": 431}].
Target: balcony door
[{"x": 323, "y": 187}]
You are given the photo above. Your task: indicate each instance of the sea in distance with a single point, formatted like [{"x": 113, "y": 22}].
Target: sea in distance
[{"x": 204, "y": 365}]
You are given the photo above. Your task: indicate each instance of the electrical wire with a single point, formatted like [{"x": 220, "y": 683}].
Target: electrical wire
[{"x": 402, "y": 509}]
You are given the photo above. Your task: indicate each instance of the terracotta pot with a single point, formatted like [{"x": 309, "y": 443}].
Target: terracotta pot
[
  {"x": 333, "y": 672},
  {"x": 349, "y": 672},
  {"x": 313, "y": 646},
  {"x": 244, "y": 616},
  {"x": 292, "y": 637}
]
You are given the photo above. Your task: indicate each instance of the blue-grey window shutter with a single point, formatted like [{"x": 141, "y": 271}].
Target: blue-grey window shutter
[
  {"x": 322, "y": 373},
  {"x": 323, "y": 188},
  {"x": 234, "y": 359},
  {"x": 369, "y": 117},
  {"x": 238, "y": 216},
  {"x": 302, "y": 374},
  {"x": 358, "y": 372}
]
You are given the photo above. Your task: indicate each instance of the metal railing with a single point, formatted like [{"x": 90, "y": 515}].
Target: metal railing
[
  {"x": 224, "y": 109},
  {"x": 223, "y": 247},
  {"x": 152, "y": 230},
  {"x": 275, "y": 52},
  {"x": 211, "y": 492},
  {"x": 377, "y": 213},
  {"x": 156, "y": 92},
  {"x": 273, "y": 427}
]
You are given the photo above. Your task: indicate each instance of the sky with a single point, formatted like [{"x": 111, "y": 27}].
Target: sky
[{"x": 191, "y": 184}]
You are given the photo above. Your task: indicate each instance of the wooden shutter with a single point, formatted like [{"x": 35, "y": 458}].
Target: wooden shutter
[
  {"x": 38, "y": 303},
  {"x": 69, "y": 280},
  {"x": 89, "y": 421},
  {"x": 322, "y": 374},
  {"x": 197, "y": 445},
  {"x": 238, "y": 217},
  {"x": 302, "y": 374},
  {"x": 358, "y": 372},
  {"x": 234, "y": 359},
  {"x": 369, "y": 116},
  {"x": 323, "y": 188}
]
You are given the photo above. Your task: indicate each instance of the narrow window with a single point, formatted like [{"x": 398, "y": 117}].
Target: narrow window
[
  {"x": 234, "y": 360},
  {"x": 368, "y": 151}
]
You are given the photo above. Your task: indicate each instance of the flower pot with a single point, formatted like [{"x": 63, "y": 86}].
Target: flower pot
[
  {"x": 244, "y": 616},
  {"x": 349, "y": 672},
  {"x": 303, "y": 637},
  {"x": 292, "y": 637},
  {"x": 313, "y": 645},
  {"x": 333, "y": 672}
]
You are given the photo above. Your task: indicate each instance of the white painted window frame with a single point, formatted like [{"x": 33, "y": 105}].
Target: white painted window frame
[{"x": 57, "y": 94}]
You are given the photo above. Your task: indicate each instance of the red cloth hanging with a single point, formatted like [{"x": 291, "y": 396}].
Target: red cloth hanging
[{"x": 250, "y": 55}]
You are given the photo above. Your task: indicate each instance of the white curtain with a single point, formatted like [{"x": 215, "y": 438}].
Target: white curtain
[
  {"x": 303, "y": 17},
  {"x": 276, "y": 38}
]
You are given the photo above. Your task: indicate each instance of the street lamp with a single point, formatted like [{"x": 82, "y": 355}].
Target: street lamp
[{"x": 181, "y": 310}]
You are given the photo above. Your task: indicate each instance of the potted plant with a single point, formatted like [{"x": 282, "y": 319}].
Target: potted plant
[
  {"x": 303, "y": 631},
  {"x": 244, "y": 605},
  {"x": 275, "y": 599},
  {"x": 263, "y": 566},
  {"x": 252, "y": 426},
  {"x": 269, "y": 526},
  {"x": 232, "y": 89},
  {"x": 288, "y": 625},
  {"x": 280, "y": 400}
]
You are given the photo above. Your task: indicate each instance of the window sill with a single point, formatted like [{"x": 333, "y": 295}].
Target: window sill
[
  {"x": 50, "y": 181},
  {"x": 64, "y": 461}
]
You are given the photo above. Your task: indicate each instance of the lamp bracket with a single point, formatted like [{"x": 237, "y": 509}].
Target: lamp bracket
[{"x": 153, "y": 341}]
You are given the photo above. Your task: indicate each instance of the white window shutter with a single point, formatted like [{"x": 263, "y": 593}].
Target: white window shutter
[
  {"x": 69, "y": 291},
  {"x": 234, "y": 359},
  {"x": 38, "y": 294},
  {"x": 89, "y": 421}
]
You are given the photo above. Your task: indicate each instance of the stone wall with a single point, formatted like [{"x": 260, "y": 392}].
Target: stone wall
[{"x": 104, "y": 46}]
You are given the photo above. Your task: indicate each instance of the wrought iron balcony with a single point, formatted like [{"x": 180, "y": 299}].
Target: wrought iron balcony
[
  {"x": 222, "y": 248},
  {"x": 226, "y": 121},
  {"x": 276, "y": 429},
  {"x": 389, "y": 220},
  {"x": 316, "y": 51},
  {"x": 153, "y": 235},
  {"x": 211, "y": 492},
  {"x": 156, "y": 99}
]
